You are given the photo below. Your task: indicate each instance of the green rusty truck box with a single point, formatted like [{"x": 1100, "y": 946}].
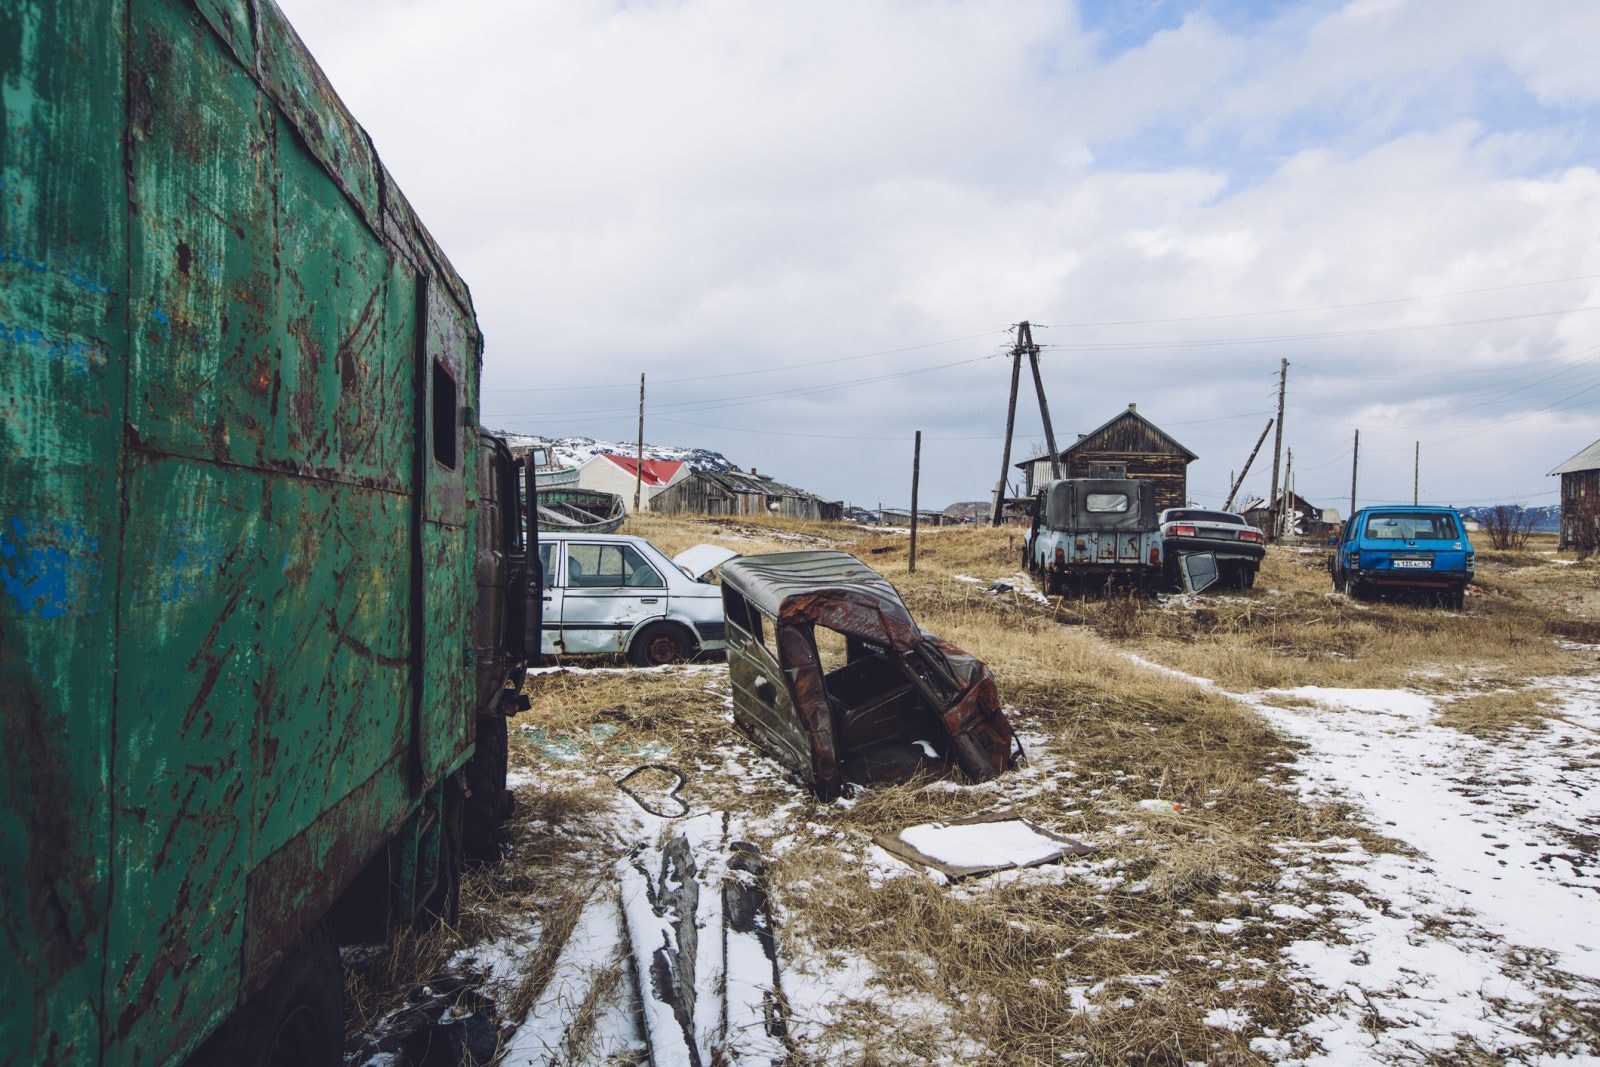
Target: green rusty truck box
[{"x": 238, "y": 507}]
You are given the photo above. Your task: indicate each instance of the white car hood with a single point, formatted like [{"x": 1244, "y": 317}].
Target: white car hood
[{"x": 702, "y": 559}]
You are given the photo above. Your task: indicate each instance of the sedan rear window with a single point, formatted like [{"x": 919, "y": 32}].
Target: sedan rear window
[
  {"x": 1098, "y": 503},
  {"x": 1190, "y": 515}
]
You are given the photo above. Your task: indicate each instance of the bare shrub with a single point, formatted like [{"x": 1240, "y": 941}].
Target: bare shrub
[{"x": 1509, "y": 526}]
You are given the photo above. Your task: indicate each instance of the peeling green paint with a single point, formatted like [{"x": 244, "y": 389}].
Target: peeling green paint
[{"x": 235, "y": 585}]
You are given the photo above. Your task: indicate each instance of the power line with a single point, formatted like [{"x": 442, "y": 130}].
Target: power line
[
  {"x": 759, "y": 370},
  {"x": 1325, "y": 307},
  {"x": 1370, "y": 331}
]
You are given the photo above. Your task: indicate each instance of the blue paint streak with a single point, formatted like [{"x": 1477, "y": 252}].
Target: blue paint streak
[
  {"x": 192, "y": 568},
  {"x": 161, "y": 317},
  {"x": 50, "y": 567},
  {"x": 75, "y": 355},
  {"x": 78, "y": 278}
]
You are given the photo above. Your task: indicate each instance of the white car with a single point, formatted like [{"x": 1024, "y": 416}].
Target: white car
[{"x": 610, "y": 593}]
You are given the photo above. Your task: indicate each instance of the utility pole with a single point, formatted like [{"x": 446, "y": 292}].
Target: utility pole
[
  {"x": 1288, "y": 493},
  {"x": 1416, "y": 470},
  {"x": 1024, "y": 346},
  {"x": 1277, "y": 453},
  {"x": 638, "y": 473},
  {"x": 1233, "y": 490},
  {"x": 1355, "y": 460},
  {"x": 1025, "y": 341},
  {"x": 916, "y": 474},
  {"x": 1011, "y": 422}
]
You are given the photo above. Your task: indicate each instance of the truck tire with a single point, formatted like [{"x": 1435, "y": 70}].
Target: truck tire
[
  {"x": 660, "y": 643},
  {"x": 491, "y": 803},
  {"x": 296, "y": 1019}
]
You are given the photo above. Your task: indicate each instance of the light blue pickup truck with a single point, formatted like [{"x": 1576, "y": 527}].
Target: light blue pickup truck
[
  {"x": 1105, "y": 532},
  {"x": 1404, "y": 547}
]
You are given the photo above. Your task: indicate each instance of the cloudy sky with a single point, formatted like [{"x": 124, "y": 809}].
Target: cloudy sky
[{"x": 813, "y": 224}]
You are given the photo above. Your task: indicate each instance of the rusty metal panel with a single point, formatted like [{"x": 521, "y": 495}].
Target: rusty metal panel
[
  {"x": 231, "y": 21},
  {"x": 189, "y": 670},
  {"x": 62, "y": 388},
  {"x": 329, "y": 330},
  {"x": 337, "y": 679},
  {"x": 200, "y": 244},
  {"x": 453, "y": 349},
  {"x": 296, "y": 83},
  {"x": 448, "y": 718}
]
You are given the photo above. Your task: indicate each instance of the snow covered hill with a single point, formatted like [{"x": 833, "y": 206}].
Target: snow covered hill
[{"x": 575, "y": 451}]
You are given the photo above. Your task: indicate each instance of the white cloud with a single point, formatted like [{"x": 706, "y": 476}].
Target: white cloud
[{"x": 702, "y": 186}]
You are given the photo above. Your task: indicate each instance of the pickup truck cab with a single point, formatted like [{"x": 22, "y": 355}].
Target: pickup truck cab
[{"x": 1404, "y": 547}]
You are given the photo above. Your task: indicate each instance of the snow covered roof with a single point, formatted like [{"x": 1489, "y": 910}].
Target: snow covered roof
[{"x": 1587, "y": 460}]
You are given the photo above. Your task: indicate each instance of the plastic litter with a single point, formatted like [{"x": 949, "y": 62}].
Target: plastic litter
[{"x": 1158, "y": 805}]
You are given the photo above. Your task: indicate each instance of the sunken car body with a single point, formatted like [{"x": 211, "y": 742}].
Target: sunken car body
[
  {"x": 831, "y": 676},
  {"x": 1236, "y": 547}
]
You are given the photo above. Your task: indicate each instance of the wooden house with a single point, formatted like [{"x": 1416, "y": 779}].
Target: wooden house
[
  {"x": 1300, "y": 517},
  {"x": 735, "y": 492},
  {"x": 1129, "y": 446},
  {"x": 1580, "y": 499}
]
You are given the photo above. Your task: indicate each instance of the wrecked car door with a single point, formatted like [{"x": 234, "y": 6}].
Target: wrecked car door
[
  {"x": 548, "y": 618},
  {"x": 1199, "y": 570},
  {"x": 610, "y": 590},
  {"x": 762, "y": 705}
]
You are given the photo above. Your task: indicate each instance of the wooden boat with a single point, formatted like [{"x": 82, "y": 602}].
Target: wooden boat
[{"x": 568, "y": 508}]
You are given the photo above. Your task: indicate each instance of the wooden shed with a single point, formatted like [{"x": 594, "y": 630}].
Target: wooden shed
[
  {"x": 735, "y": 492},
  {"x": 1580, "y": 499},
  {"x": 1128, "y": 446}
]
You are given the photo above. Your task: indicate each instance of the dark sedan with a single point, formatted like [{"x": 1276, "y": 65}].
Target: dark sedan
[{"x": 1236, "y": 545}]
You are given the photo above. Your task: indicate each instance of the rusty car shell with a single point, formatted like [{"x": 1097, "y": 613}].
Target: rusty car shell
[
  {"x": 238, "y": 518},
  {"x": 902, "y": 702}
]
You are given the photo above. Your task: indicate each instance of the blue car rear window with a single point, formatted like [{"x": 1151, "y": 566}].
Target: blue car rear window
[{"x": 1401, "y": 526}]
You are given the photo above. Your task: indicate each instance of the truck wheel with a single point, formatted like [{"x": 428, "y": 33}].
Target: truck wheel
[
  {"x": 659, "y": 643},
  {"x": 445, "y": 903},
  {"x": 298, "y": 1018},
  {"x": 491, "y": 803}
]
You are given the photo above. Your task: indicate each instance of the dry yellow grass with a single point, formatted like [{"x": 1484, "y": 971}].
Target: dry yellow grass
[{"x": 1119, "y": 964}]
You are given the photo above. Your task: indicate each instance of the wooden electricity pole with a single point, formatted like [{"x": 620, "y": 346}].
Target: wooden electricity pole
[
  {"x": 1416, "y": 470},
  {"x": 1355, "y": 461},
  {"x": 916, "y": 473},
  {"x": 1024, "y": 347},
  {"x": 1277, "y": 455},
  {"x": 1233, "y": 490},
  {"x": 1011, "y": 422},
  {"x": 638, "y": 473}
]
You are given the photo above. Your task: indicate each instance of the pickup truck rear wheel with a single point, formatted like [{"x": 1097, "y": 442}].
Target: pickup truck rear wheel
[{"x": 659, "y": 643}]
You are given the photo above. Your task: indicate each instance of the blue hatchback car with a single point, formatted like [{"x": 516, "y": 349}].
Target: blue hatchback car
[{"x": 1404, "y": 547}]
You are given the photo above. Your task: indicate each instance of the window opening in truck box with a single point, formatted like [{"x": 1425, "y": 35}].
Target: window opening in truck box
[
  {"x": 1098, "y": 503},
  {"x": 445, "y": 408}
]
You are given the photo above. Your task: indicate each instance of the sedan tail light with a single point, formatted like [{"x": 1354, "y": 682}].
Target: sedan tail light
[
  {"x": 1182, "y": 531},
  {"x": 1249, "y": 535}
]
